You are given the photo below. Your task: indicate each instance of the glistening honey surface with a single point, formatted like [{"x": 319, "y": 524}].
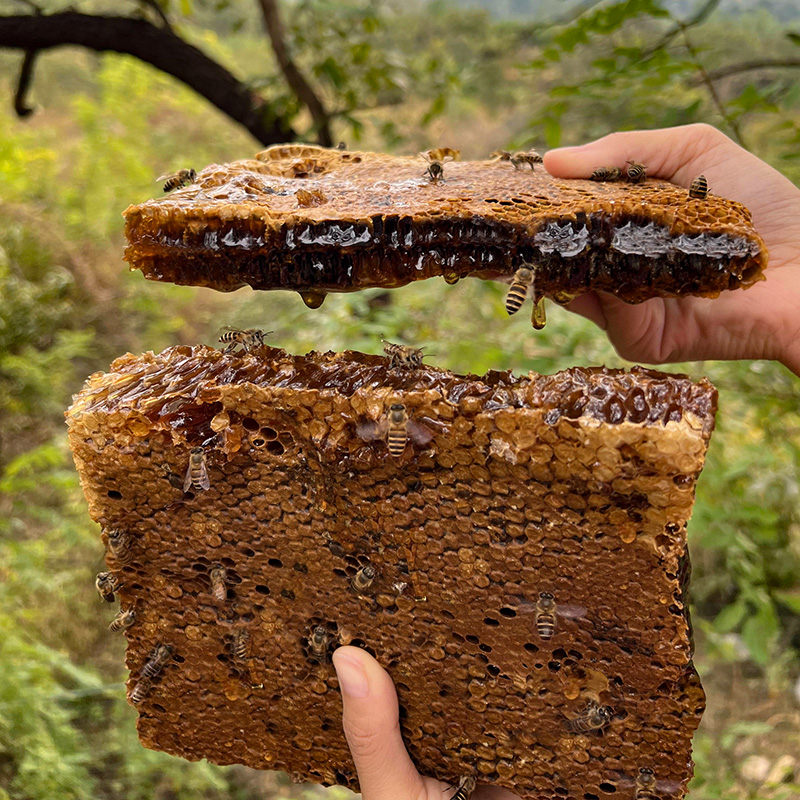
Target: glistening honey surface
[
  {"x": 305, "y": 218},
  {"x": 578, "y": 485}
]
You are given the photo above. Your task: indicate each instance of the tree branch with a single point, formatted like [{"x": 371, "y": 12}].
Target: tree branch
[
  {"x": 706, "y": 80},
  {"x": 297, "y": 82},
  {"x": 749, "y": 66},
  {"x": 21, "y": 108},
  {"x": 156, "y": 46},
  {"x": 702, "y": 14},
  {"x": 159, "y": 12}
]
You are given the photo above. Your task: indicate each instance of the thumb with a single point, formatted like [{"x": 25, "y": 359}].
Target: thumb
[{"x": 372, "y": 727}]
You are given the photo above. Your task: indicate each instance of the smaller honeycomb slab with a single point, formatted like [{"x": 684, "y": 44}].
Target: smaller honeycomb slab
[
  {"x": 577, "y": 486},
  {"x": 316, "y": 221}
]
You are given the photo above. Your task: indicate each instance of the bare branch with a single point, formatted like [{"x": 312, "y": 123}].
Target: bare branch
[
  {"x": 574, "y": 13},
  {"x": 750, "y": 66},
  {"x": 154, "y": 4},
  {"x": 700, "y": 16},
  {"x": 297, "y": 82},
  {"x": 706, "y": 80},
  {"x": 156, "y": 46},
  {"x": 21, "y": 108}
]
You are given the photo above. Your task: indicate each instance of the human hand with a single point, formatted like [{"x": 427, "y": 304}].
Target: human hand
[
  {"x": 372, "y": 726},
  {"x": 760, "y": 322}
]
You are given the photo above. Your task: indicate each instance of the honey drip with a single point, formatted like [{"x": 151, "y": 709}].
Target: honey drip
[
  {"x": 313, "y": 299},
  {"x": 539, "y": 316},
  {"x": 562, "y": 298}
]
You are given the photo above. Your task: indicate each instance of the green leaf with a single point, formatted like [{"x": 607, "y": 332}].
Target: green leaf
[
  {"x": 759, "y": 633},
  {"x": 730, "y": 617},
  {"x": 790, "y": 600}
]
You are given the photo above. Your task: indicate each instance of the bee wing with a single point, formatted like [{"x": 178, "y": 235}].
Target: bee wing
[
  {"x": 165, "y": 177},
  {"x": 571, "y": 612},
  {"x": 425, "y": 156},
  {"x": 204, "y": 481},
  {"x": 668, "y": 787},
  {"x": 622, "y": 779},
  {"x": 419, "y": 433},
  {"x": 187, "y": 481},
  {"x": 369, "y": 430}
]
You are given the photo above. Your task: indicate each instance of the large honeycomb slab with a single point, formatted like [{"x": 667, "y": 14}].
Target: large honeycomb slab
[
  {"x": 578, "y": 485},
  {"x": 316, "y": 221}
]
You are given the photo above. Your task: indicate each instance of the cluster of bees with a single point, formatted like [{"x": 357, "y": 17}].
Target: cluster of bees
[
  {"x": 636, "y": 173},
  {"x": 439, "y": 156}
]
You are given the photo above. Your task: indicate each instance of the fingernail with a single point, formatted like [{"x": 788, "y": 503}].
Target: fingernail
[{"x": 352, "y": 678}]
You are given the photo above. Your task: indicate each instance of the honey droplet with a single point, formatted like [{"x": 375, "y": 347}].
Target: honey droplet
[
  {"x": 538, "y": 316},
  {"x": 451, "y": 277},
  {"x": 313, "y": 299},
  {"x": 563, "y": 297}
]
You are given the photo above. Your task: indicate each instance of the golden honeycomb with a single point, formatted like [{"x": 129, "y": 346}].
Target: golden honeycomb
[
  {"x": 577, "y": 485},
  {"x": 316, "y": 220}
]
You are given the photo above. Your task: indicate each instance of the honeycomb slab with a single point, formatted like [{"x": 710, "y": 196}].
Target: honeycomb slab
[
  {"x": 575, "y": 487},
  {"x": 315, "y": 221}
]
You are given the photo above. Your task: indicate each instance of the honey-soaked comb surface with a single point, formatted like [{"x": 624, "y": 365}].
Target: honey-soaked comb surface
[
  {"x": 315, "y": 220},
  {"x": 520, "y": 569}
]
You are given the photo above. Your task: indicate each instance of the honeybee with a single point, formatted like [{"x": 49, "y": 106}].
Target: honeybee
[
  {"x": 106, "y": 585},
  {"x": 436, "y": 160},
  {"x": 249, "y": 339},
  {"x": 518, "y": 291},
  {"x": 501, "y": 155},
  {"x": 241, "y": 645},
  {"x": 318, "y": 642},
  {"x": 699, "y": 188},
  {"x": 466, "y": 786},
  {"x": 397, "y": 430},
  {"x": 546, "y": 615},
  {"x": 403, "y": 356},
  {"x": 547, "y": 611},
  {"x": 520, "y": 159},
  {"x": 177, "y": 180},
  {"x": 635, "y": 172},
  {"x": 219, "y": 577},
  {"x": 605, "y": 174},
  {"x": 123, "y": 621},
  {"x": 435, "y": 171},
  {"x": 159, "y": 657},
  {"x": 141, "y": 690},
  {"x": 119, "y": 543},
  {"x": 396, "y": 427},
  {"x": 197, "y": 472},
  {"x": 593, "y": 718},
  {"x": 647, "y": 787},
  {"x": 363, "y": 579}
]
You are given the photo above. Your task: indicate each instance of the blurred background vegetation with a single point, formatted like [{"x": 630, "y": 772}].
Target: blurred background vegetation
[{"x": 403, "y": 76}]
